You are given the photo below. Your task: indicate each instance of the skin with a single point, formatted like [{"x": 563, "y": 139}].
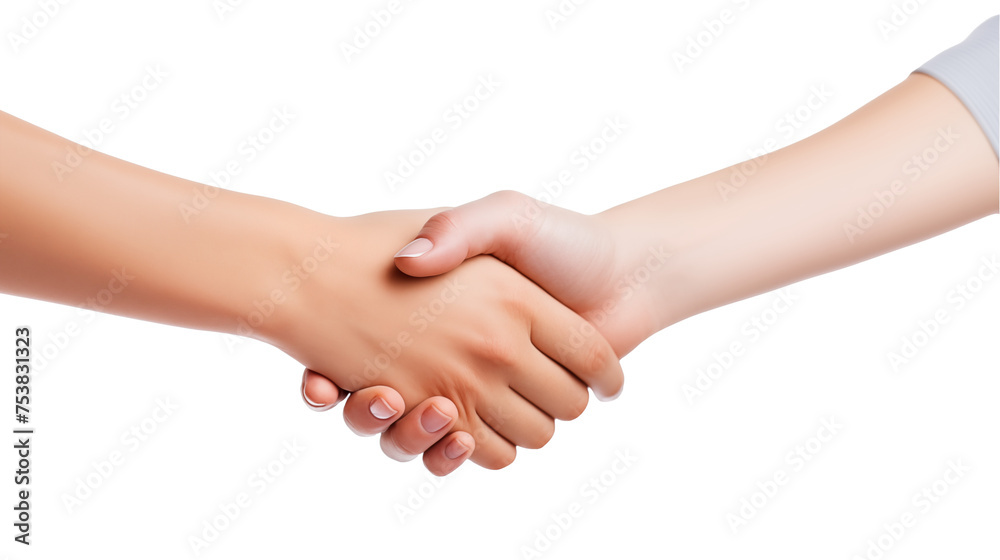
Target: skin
[
  {"x": 494, "y": 351},
  {"x": 796, "y": 216}
]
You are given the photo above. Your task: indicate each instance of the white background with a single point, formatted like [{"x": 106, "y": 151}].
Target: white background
[{"x": 236, "y": 406}]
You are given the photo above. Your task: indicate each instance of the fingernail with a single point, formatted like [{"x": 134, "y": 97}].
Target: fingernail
[
  {"x": 313, "y": 405},
  {"x": 603, "y": 398},
  {"x": 433, "y": 419},
  {"x": 415, "y": 248},
  {"x": 455, "y": 449},
  {"x": 381, "y": 409}
]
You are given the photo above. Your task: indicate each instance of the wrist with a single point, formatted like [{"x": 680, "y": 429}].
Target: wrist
[
  {"x": 268, "y": 255},
  {"x": 644, "y": 275},
  {"x": 676, "y": 223}
]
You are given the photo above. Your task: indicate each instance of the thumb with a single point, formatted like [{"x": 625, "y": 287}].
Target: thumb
[{"x": 495, "y": 225}]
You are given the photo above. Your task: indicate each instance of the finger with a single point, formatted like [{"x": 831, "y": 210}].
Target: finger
[
  {"x": 519, "y": 421},
  {"x": 319, "y": 393},
  {"x": 554, "y": 390},
  {"x": 575, "y": 343},
  {"x": 372, "y": 410},
  {"x": 492, "y": 451},
  {"x": 448, "y": 454},
  {"x": 422, "y": 427},
  {"x": 491, "y": 225}
]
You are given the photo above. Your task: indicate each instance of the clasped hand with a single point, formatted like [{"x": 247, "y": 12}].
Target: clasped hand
[{"x": 478, "y": 351}]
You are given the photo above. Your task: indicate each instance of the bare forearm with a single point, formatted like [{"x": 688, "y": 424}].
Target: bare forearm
[
  {"x": 115, "y": 236},
  {"x": 908, "y": 166}
]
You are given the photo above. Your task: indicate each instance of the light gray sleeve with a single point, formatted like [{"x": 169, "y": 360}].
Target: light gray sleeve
[{"x": 971, "y": 70}]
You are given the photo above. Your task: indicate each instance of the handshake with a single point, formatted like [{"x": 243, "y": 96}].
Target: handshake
[
  {"x": 472, "y": 354},
  {"x": 493, "y": 318}
]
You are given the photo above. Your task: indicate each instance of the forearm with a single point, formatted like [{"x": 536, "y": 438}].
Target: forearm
[
  {"x": 115, "y": 237},
  {"x": 908, "y": 166}
]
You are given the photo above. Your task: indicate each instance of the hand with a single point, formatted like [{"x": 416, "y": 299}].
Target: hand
[
  {"x": 483, "y": 336},
  {"x": 600, "y": 267}
]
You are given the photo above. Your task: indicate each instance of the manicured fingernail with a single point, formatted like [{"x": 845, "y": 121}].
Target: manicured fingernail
[
  {"x": 603, "y": 398},
  {"x": 455, "y": 449},
  {"x": 381, "y": 409},
  {"x": 433, "y": 419},
  {"x": 313, "y": 405},
  {"x": 415, "y": 248}
]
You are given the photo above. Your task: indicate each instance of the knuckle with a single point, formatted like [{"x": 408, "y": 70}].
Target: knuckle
[
  {"x": 498, "y": 350},
  {"x": 524, "y": 211},
  {"x": 443, "y": 222},
  {"x": 507, "y": 197}
]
